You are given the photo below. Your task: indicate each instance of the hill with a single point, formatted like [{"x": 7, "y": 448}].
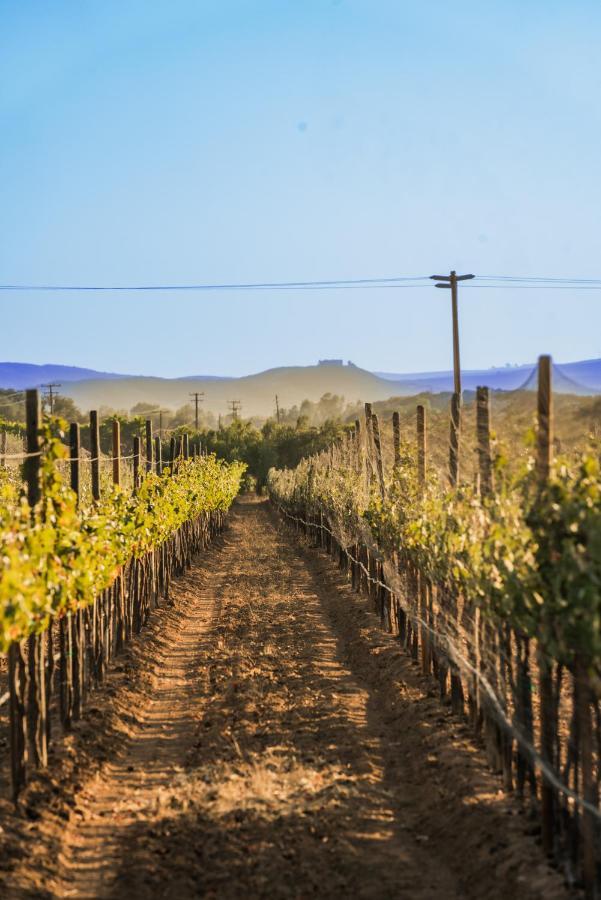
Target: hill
[{"x": 255, "y": 392}]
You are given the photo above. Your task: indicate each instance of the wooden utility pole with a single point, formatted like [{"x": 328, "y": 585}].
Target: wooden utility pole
[
  {"x": 450, "y": 281},
  {"x": 51, "y": 394},
  {"x": 198, "y": 398},
  {"x": 235, "y": 407}
]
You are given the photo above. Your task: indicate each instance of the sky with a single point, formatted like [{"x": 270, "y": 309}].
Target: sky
[{"x": 220, "y": 141}]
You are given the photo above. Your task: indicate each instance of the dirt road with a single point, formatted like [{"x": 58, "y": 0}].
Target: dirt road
[{"x": 265, "y": 739}]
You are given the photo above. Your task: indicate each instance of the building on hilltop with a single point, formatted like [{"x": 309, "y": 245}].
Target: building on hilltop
[{"x": 330, "y": 362}]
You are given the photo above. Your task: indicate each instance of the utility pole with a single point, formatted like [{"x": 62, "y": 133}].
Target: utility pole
[
  {"x": 235, "y": 406},
  {"x": 450, "y": 281},
  {"x": 51, "y": 393},
  {"x": 277, "y": 408},
  {"x": 198, "y": 398}
]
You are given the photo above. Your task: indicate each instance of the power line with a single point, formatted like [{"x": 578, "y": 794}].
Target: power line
[{"x": 214, "y": 287}]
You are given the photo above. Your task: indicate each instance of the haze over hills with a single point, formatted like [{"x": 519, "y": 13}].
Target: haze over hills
[{"x": 293, "y": 384}]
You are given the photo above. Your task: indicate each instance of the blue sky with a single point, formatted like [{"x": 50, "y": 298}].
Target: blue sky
[{"x": 195, "y": 141}]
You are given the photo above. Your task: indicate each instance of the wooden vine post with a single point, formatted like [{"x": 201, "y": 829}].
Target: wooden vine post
[
  {"x": 396, "y": 438},
  {"x": 76, "y": 638},
  {"x": 27, "y": 694},
  {"x": 358, "y": 447},
  {"x": 116, "y": 452},
  {"x": 36, "y": 643},
  {"x": 158, "y": 455},
  {"x": 424, "y": 586},
  {"x": 378, "y": 454},
  {"x": 136, "y": 455},
  {"x": 483, "y": 438},
  {"x": 149, "y": 446},
  {"x": 74, "y": 456},
  {"x": 457, "y": 697},
  {"x": 3, "y": 440},
  {"x": 95, "y": 454},
  {"x": 543, "y": 465}
]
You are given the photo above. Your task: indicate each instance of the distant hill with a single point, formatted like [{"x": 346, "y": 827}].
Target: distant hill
[
  {"x": 255, "y": 392},
  {"x": 26, "y": 375},
  {"x": 583, "y": 377},
  {"x": 90, "y": 388}
]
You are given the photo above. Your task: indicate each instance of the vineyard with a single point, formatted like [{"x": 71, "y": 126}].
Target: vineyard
[
  {"x": 492, "y": 586},
  {"x": 481, "y": 566}
]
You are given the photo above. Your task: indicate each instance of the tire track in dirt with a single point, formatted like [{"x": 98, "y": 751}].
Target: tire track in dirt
[
  {"x": 278, "y": 745},
  {"x": 158, "y": 733}
]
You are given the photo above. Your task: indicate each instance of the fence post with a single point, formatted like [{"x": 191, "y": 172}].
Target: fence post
[
  {"x": 116, "y": 452},
  {"x": 358, "y": 447},
  {"x": 17, "y": 679},
  {"x": 378, "y": 453},
  {"x": 483, "y": 436},
  {"x": 136, "y": 455},
  {"x": 3, "y": 439},
  {"x": 424, "y": 587},
  {"x": 36, "y": 643},
  {"x": 158, "y": 455},
  {"x": 95, "y": 454},
  {"x": 74, "y": 454},
  {"x": 186, "y": 445},
  {"x": 396, "y": 438},
  {"x": 543, "y": 465},
  {"x": 421, "y": 446},
  {"x": 33, "y": 461},
  {"x": 149, "y": 446}
]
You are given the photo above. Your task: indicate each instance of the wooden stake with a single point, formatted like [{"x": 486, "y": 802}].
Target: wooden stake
[
  {"x": 421, "y": 445},
  {"x": 116, "y": 452},
  {"x": 378, "y": 453},
  {"x": 172, "y": 455},
  {"x": 95, "y": 451},
  {"x": 74, "y": 453},
  {"x": 396, "y": 437},
  {"x": 483, "y": 437},
  {"x": 33, "y": 463},
  {"x": 149, "y": 446},
  {"x": 158, "y": 455},
  {"x": 136, "y": 455},
  {"x": 547, "y": 726}
]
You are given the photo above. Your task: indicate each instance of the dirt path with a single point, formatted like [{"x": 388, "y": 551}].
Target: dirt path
[{"x": 273, "y": 743}]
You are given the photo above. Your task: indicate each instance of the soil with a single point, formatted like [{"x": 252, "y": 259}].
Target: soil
[{"x": 264, "y": 738}]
